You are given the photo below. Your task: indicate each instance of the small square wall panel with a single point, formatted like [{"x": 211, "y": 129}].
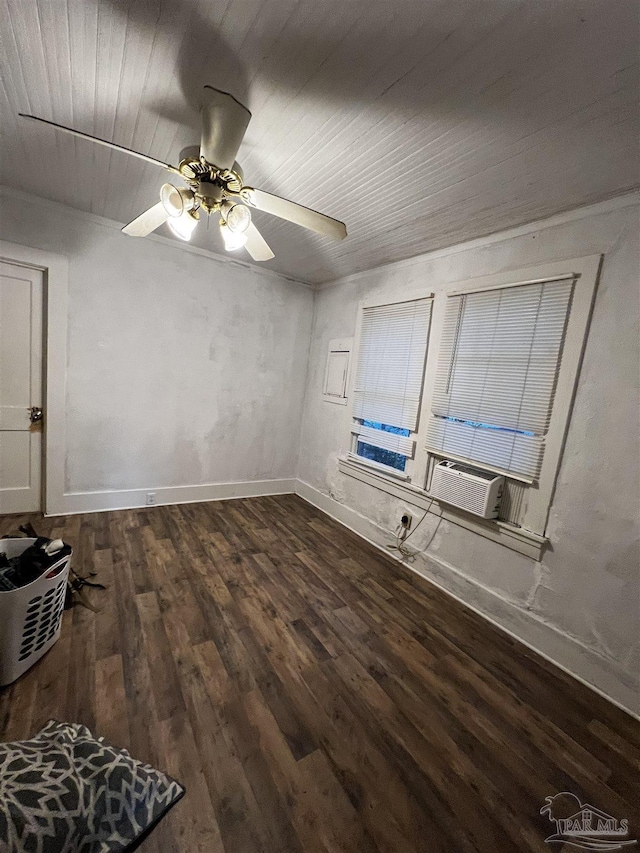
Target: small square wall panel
[{"x": 336, "y": 375}]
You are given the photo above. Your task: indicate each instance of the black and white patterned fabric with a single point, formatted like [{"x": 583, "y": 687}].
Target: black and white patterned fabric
[{"x": 65, "y": 790}]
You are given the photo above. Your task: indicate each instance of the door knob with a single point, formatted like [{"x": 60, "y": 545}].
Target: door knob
[{"x": 36, "y": 414}]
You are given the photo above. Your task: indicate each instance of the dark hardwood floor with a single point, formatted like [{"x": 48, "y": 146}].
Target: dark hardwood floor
[{"x": 312, "y": 695}]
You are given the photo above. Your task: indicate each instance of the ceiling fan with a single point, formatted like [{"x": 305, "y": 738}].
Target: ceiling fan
[{"x": 215, "y": 184}]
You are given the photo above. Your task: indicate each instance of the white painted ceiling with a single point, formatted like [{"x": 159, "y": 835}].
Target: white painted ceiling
[{"x": 420, "y": 123}]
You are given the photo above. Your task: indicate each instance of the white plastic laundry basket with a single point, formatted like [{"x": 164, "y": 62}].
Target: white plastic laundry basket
[{"x": 31, "y": 616}]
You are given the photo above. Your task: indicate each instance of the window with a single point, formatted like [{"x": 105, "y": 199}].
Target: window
[
  {"x": 375, "y": 452},
  {"x": 497, "y": 371},
  {"x": 497, "y": 396},
  {"x": 388, "y": 382}
]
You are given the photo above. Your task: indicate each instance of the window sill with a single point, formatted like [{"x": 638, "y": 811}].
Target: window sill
[
  {"x": 375, "y": 467},
  {"x": 516, "y": 538}
]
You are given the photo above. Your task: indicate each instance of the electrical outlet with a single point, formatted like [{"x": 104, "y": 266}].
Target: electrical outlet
[
  {"x": 406, "y": 519},
  {"x": 151, "y": 498}
]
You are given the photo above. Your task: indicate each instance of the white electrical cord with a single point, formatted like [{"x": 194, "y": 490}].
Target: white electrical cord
[{"x": 400, "y": 539}]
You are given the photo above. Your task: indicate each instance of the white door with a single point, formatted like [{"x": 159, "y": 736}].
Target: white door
[{"x": 20, "y": 388}]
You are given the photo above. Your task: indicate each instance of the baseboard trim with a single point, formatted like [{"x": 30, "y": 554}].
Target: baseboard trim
[
  {"x": 560, "y": 649},
  {"x": 74, "y": 503}
]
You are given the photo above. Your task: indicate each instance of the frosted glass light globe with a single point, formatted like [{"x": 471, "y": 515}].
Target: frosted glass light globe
[
  {"x": 232, "y": 239},
  {"x": 238, "y": 218},
  {"x": 183, "y": 226},
  {"x": 176, "y": 201}
]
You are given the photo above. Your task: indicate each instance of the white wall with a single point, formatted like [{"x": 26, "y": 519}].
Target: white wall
[
  {"x": 182, "y": 369},
  {"x": 185, "y": 371},
  {"x": 580, "y": 604}
]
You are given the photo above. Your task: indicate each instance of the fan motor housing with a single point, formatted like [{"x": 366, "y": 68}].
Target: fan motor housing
[
  {"x": 191, "y": 152},
  {"x": 210, "y": 193}
]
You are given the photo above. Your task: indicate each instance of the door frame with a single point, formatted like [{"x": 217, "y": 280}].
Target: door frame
[{"x": 55, "y": 270}]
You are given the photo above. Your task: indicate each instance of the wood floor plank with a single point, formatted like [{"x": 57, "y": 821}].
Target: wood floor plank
[
  {"x": 81, "y": 693},
  {"x": 112, "y": 720},
  {"x": 244, "y": 739},
  {"x": 387, "y": 808},
  {"x": 53, "y": 680},
  {"x": 194, "y": 827},
  {"x": 164, "y": 680},
  {"x": 19, "y": 708},
  {"x": 298, "y": 737},
  {"x": 284, "y": 770},
  {"x": 107, "y": 634},
  {"x": 336, "y": 822},
  {"x": 312, "y": 695},
  {"x": 232, "y": 798}
]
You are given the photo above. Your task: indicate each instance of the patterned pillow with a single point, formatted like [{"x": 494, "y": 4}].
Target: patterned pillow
[{"x": 63, "y": 790}]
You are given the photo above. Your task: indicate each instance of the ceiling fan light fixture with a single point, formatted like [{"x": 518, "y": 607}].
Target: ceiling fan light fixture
[
  {"x": 237, "y": 217},
  {"x": 176, "y": 200},
  {"x": 216, "y": 184},
  {"x": 184, "y": 225},
  {"x": 232, "y": 239}
]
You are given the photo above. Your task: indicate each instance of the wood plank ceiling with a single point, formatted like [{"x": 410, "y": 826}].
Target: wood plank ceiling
[{"x": 420, "y": 124}]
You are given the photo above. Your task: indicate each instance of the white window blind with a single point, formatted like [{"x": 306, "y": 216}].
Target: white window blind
[
  {"x": 496, "y": 375},
  {"x": 385, "y": 440},
  {"x": 389, "y": 373}
]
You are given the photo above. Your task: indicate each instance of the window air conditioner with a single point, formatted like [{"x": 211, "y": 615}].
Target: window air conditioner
[{"x": 470, "y": 489}]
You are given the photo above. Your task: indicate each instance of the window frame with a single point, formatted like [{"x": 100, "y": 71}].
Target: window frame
[
  {"x": 535, "y": 510},
  {"x": 514, "y": 474},
  {"x": 528, "y": 535},
  {"x": 411, "y": 473}
]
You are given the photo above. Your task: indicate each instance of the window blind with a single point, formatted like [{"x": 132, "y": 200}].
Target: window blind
[
  {"x": 385, "y": 440},
  {"x": 390, "y": 368},
  {"x": 496, "y": 375}
]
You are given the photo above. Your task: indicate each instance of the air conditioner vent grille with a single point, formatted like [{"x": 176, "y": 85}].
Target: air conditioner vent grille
[{"x": 476, "y": 492}]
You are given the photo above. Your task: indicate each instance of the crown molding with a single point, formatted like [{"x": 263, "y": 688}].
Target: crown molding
[
  {"x": 617, "y": 202},
  {"x": 95, "y": 219}
]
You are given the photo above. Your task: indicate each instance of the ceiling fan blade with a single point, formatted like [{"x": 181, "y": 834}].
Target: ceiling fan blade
[
  {"x": 147, "y": 221},
  {"x": 293, "y": 212},
  {"x": 224, "y": 123},
  {"x": 257, "y": 246},
  {"x": 104, "y": 142}
]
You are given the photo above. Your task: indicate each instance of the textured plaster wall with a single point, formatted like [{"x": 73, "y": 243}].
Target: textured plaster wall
[
  {"x": 182, "y": 370},
  {"x": 587, "y": 585}
]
